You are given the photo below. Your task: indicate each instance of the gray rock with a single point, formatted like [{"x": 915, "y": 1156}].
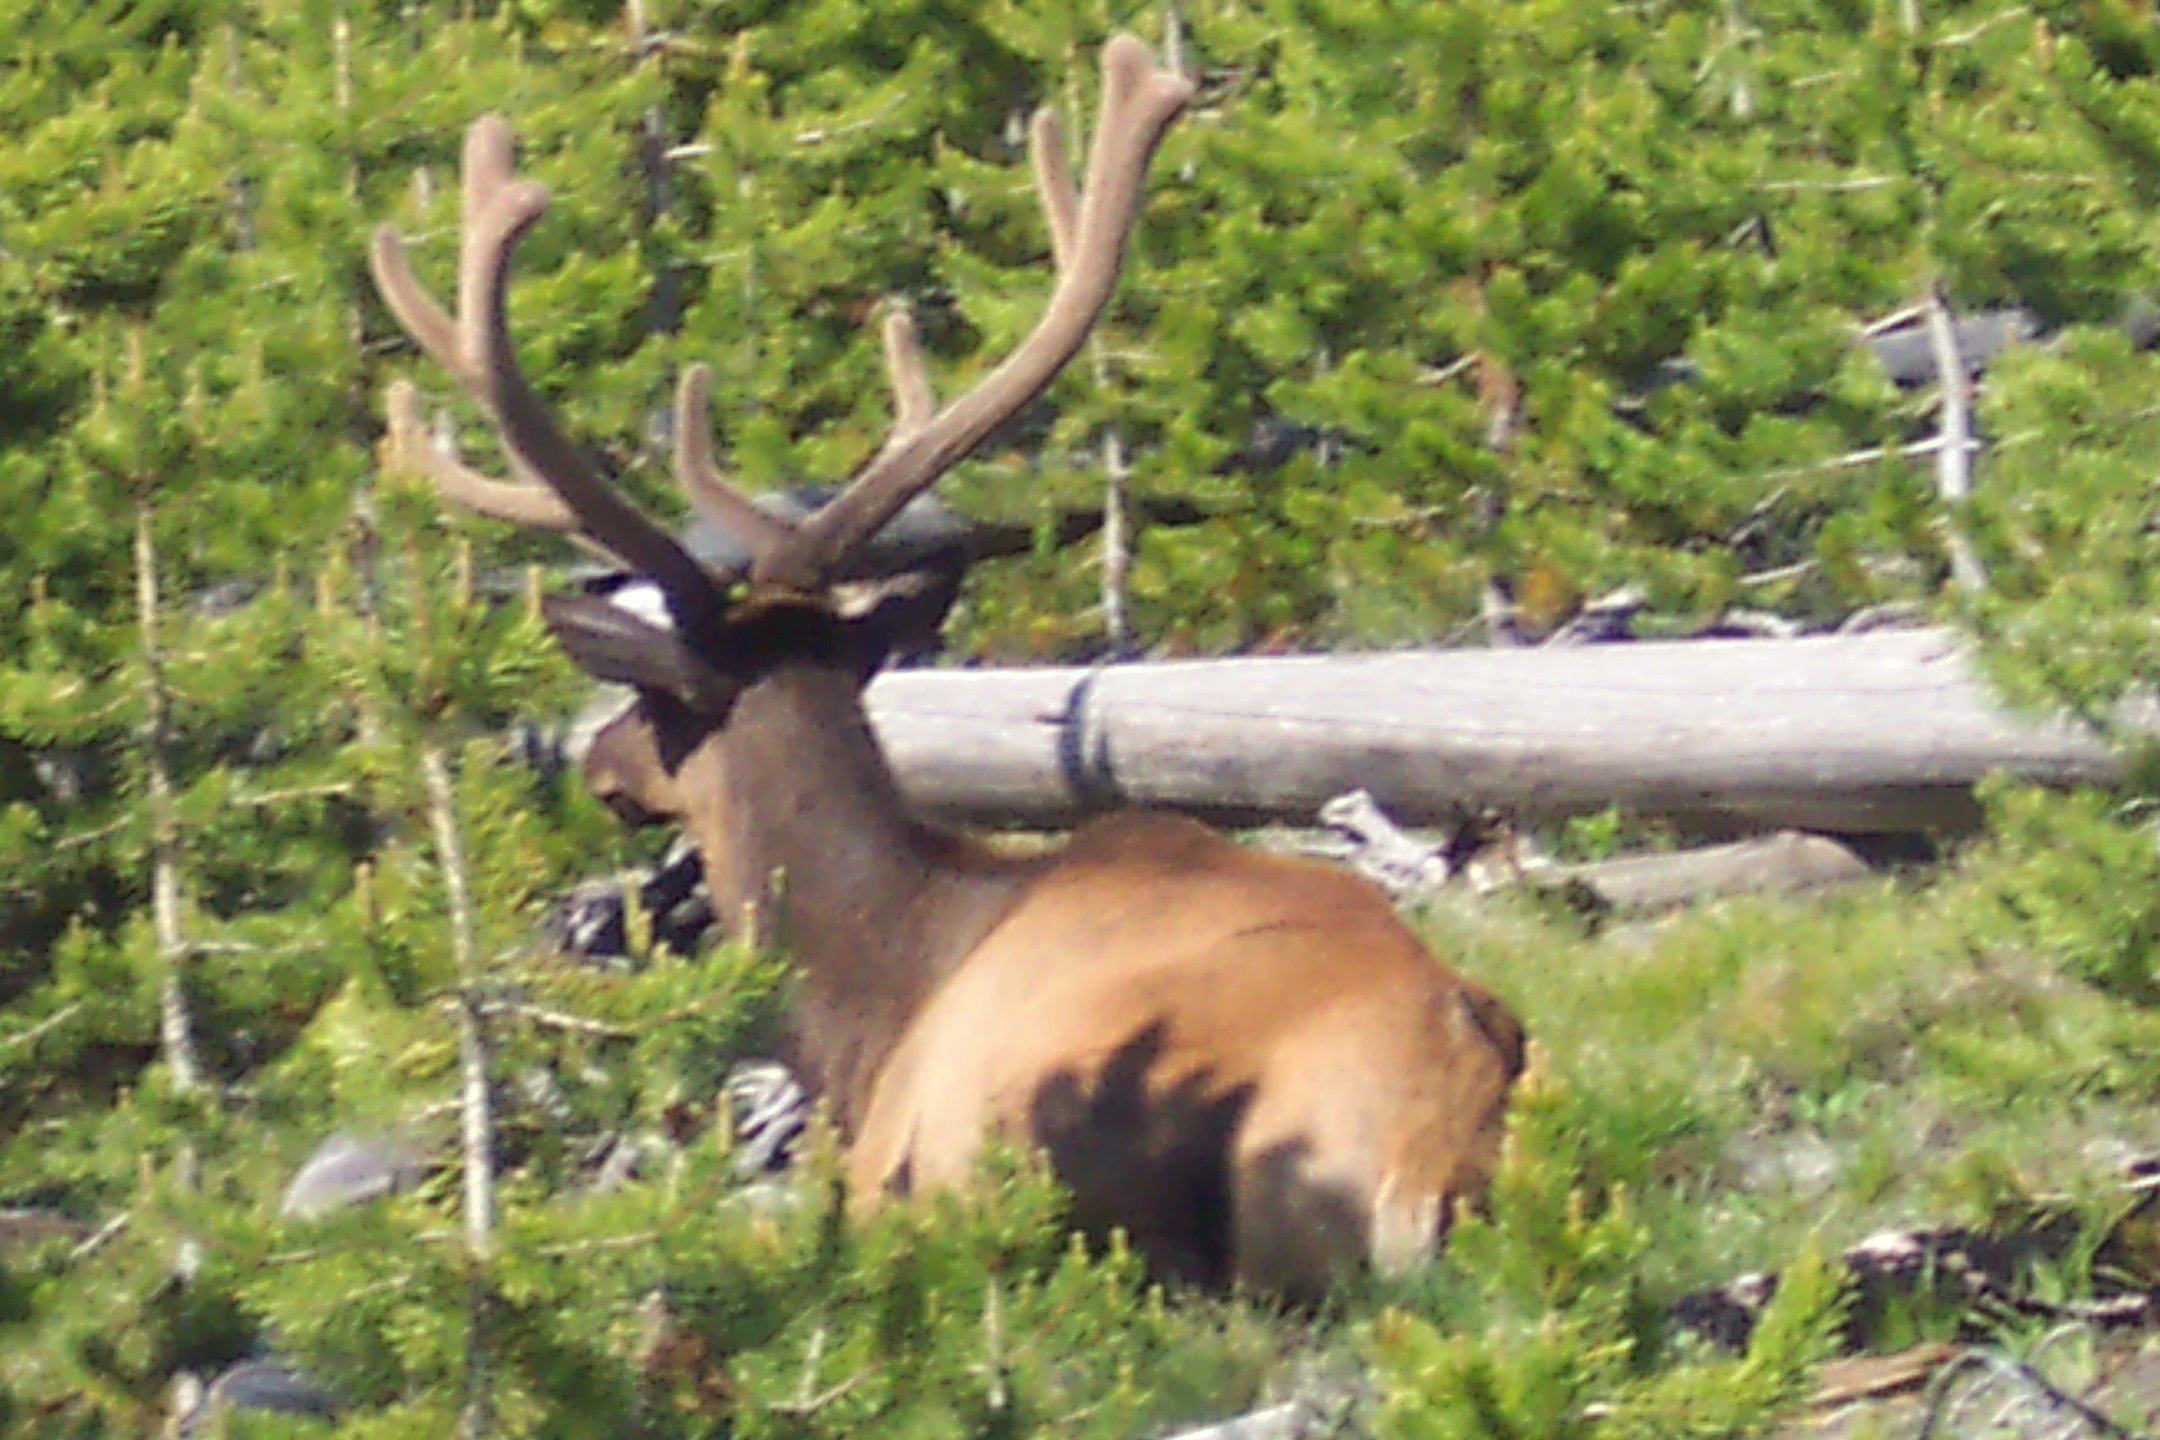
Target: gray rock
[
  {"x": 262, "y": 1385},
  {"x": 352, "y": 1168},
  {"x": 767, "y": 1112}
]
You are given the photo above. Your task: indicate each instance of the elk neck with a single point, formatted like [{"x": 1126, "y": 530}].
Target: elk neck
[{"x": 803, "y": 830}]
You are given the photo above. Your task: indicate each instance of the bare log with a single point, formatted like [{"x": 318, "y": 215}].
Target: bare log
[
  {"x": 1293, "y": 1420},
  {"x": 1872, "y": 733},
  {"x": 1787, "y": 863}
]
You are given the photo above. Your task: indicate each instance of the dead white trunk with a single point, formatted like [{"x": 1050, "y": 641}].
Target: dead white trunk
[
  {"x": 176, "y": 1030},
  {"x": 1953, "y": 461},
  {"x": 478, "y": 1126},
  {"x": 1871, "y": 733},
  {"x": 477, "y": 1119}
]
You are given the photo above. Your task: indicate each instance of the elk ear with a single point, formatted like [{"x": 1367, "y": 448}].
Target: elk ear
[
  {"x": 899, "y": 615},
  {"x": 610, "y": 643}
]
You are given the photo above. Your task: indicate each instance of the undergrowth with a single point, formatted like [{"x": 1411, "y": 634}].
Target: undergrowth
[
  {"x": 1759, "y": 1084},
  {"x": 1750, "y": 1086}
]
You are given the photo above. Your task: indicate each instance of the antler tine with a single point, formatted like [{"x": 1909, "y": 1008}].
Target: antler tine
[
  {"x": 1139, "y": 100},
  {"x": 460, "y": 484},
  {"x": 475, "y": 347},
  {"x": 708, "y": 492},
  {"x": 531, "y": 504},
  {"x": 914, "y": 402},
  {"x": 1053, "y": 183}
]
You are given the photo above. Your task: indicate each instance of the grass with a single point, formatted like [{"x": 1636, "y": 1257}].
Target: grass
[
  {"x": 1762, "y": 1072},
  {"x": 1759, "y": 1084}
]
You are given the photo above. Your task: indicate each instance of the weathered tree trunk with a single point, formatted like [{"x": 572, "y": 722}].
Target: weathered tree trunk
[
  {"x": 176, "y": 1028},
  {"x": 476, "y": 1116},
  {"x": 1852, "y": 734}
]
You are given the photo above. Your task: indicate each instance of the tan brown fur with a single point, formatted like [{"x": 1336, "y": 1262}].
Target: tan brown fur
[
  {"x": 1243, "y": 1059},
  {"x": 1246, "y": 1061}
]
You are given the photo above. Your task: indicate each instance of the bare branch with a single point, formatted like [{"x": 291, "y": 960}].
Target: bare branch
[
  {"x": 1116, "y": 542},
  {"x": 105, "y": 1235},
  {"x": 548, "y": 1019},
  {"x": 31, "y": 1034},
  {"x": 1953, "y": 458},
  {"x": 266, "y": 798}
]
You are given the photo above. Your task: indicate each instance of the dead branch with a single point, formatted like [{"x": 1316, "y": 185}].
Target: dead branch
[{"x": 1953, "y": 460}]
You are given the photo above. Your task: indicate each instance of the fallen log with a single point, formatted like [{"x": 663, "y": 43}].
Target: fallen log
[
  {"x": 1872, "y": 733},
  {"x": 1787, "y": 863}
]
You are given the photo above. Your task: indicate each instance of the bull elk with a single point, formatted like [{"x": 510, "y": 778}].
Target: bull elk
[{"x": 1246, "y": 1061}]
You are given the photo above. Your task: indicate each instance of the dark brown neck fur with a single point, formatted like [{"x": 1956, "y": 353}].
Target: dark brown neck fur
[{"x": 801, "y": 825}]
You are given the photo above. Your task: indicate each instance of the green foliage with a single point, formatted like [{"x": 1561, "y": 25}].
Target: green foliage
[
  {"x": 1550, "y": 1332},
  {"x": 1569, "y": 290},
  {"x": 2082, "y": 890},
  {"x": 2068, "y": 526}
]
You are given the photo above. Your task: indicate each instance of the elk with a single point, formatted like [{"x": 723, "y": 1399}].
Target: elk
[{"x": 1244, "y": 1061}]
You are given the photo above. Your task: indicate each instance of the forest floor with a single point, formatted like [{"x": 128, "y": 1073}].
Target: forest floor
[{"x": 2119, "y": 1377}]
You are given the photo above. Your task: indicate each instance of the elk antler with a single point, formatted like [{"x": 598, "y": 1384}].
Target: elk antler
[
  {"x": 1087, "y": 234},
  {"x": 560, "y": 488}
]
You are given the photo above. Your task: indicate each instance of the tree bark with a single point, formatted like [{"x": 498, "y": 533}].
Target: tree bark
[{"x": 1875, "y": 733}]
